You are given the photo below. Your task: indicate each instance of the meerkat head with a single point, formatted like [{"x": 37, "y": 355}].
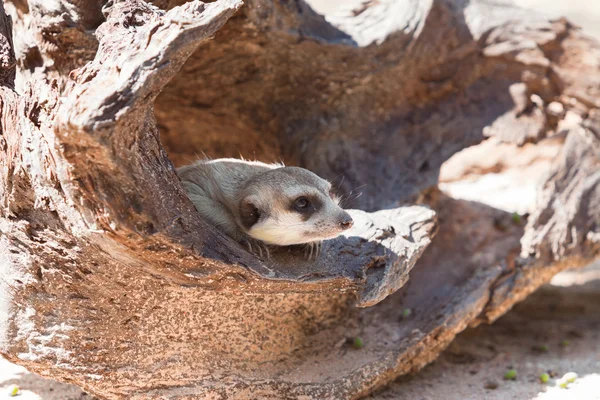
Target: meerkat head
[{"x": 291, "y": 205}]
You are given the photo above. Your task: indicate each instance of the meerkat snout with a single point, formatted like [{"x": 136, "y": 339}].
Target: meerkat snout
[
  {"x": 346, "y": 222},
  {"x": 272, "y": 204}
]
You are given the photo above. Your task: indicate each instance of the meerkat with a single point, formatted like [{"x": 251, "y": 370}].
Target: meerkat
[{"x": 264, "y": 205}]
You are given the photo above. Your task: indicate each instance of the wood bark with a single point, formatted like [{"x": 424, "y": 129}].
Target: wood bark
[{"x": 109, "y": 279}]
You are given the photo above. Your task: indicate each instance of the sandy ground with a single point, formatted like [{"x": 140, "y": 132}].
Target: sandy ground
[
  {"x": 34, "y": 387},
  {"x": 556, "y": 330}
]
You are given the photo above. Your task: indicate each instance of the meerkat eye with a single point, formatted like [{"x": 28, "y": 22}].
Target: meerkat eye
[{"x": 301, "y": 204}]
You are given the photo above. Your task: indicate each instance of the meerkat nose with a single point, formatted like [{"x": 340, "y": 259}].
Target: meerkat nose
[{"x": 346, "y": 222}]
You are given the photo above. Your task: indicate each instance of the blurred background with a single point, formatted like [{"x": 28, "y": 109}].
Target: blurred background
[{"x": 585, "y": 13}]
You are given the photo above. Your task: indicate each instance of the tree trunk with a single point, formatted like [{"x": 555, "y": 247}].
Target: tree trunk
[{"x": 109, "y": 278}]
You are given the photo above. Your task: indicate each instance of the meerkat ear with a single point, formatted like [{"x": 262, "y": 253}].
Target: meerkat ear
[{"x": 249, "y": 213}]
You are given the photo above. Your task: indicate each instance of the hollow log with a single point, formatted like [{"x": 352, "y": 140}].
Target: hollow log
[{"x": 109, "y": 278}]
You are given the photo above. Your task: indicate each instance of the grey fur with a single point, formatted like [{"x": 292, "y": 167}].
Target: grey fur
[{"x": 225, "y": 192}]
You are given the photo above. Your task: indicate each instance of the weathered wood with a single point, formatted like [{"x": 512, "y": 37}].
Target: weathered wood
[{"x": 109, "y": 278}]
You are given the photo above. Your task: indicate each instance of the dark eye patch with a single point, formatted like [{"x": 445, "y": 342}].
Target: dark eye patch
[
  {"x": 306, "y": 206},
  {"x": 249, "y": 213},
  {"x": 302, "y": 204}
]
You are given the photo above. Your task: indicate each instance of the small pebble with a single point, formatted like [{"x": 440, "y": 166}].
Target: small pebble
[
  {"x": 569, "y": 377},
  {"x": 510, "y": 374},
  {"x": 537, "y": 100},
  {"x": 13, "y": 390},
  {"x": 516, "y": 218},
  {"x": 357, "y": 343},
  {"x": 491, "y": 385},
  {"x": 556, "y": 109},
  {"x": 541, "y": 348},
  {"x": 562, "y": 384}
]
